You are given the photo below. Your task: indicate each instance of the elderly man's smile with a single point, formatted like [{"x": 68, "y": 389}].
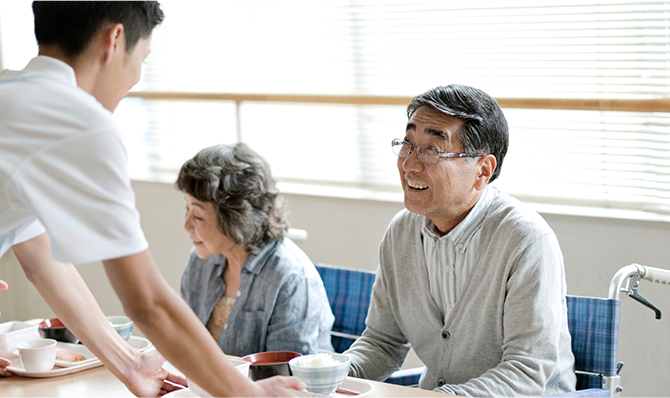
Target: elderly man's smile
[{"x": 416, "y": 185}]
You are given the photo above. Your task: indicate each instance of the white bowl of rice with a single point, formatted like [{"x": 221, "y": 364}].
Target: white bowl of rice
[{"x": 323, "y": 373}]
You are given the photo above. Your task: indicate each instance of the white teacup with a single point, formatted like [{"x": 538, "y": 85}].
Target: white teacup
[{"x": 37, "y": 355}]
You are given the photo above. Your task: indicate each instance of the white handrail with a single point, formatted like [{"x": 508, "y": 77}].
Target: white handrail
[
  {"x": 657, "y": 275},
  {"x": 626, "y": 273},
  {"x": 623, "y": 275}
]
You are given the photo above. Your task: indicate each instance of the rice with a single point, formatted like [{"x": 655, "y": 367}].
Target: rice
[{"x": 315, "y": 361}]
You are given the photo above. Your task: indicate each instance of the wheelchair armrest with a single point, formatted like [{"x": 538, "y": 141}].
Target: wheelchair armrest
[
  {"x": 406, "y": 377},
  {"x": 589, "y": 392}
]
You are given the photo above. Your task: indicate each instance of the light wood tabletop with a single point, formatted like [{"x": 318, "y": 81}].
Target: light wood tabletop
[{"x": 99, "y": 382}]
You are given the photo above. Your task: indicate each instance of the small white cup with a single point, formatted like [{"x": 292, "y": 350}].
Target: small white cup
[{"x": 37, "y": 355}]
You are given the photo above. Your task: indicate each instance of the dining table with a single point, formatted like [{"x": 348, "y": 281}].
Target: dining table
[{"x": 100, "y": 382}]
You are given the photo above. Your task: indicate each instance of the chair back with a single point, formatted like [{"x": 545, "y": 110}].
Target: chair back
[
  {"x": 594, "y": 327},
  {"x": 349, "y": 292}
]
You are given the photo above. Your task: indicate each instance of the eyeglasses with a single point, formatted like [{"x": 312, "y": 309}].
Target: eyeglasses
[{"x": 426, "y": 153}]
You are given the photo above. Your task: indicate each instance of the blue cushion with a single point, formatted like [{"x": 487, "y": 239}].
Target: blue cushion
[
  {"x": 594, "y": 328},
  {"x": 349, "y": 292}
]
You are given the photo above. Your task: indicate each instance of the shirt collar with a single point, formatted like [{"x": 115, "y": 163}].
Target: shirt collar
[
  {"x": 466, "y": 229},
  {"x": 53, "y": 69},
  {"x": 255, "y": 262}
]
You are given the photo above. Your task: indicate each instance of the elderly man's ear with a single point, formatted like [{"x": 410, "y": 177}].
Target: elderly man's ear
[{"x": 487, "y": 165}]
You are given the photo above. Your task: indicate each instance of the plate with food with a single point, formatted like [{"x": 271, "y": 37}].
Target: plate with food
[
  {"x": 72, "y": 354},
  {"x": 68, "y": 354},
  {"x": 72, "y": 358}
]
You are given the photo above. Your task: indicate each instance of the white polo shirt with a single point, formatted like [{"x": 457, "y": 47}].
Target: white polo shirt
[{"x": 63, "y": 168}]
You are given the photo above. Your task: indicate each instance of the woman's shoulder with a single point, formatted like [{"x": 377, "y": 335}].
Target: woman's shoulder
[
  {"x": 290, "y": 260},
  {"x": 290, "y": 256}
]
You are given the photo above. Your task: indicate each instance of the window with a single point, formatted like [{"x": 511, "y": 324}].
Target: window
[{"x": 574, "y": 49}]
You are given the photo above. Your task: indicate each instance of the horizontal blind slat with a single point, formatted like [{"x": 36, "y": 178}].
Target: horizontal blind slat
[{"x": 552, "y": 49}]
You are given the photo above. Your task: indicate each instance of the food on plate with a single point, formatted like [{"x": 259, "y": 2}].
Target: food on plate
[
  {"x": 66, "y": 355},
  {"x": 316, "y": 361}
]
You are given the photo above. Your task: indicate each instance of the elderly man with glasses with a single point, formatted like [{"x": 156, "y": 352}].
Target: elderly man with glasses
[{"x": 469, "y": 277}]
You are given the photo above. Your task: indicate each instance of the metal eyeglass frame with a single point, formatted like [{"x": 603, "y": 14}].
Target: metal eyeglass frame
[{"x": 398, "y": 143}]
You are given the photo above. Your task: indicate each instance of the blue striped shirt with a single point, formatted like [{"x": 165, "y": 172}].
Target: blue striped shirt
[{"x": 450, "y": 258}]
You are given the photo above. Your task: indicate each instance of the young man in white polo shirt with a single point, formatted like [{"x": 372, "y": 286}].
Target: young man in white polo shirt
[{"x": 65, "y": 196}]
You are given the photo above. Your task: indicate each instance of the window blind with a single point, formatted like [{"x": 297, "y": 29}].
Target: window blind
[
  {"x": 510, "y": 49},
  {"x": 526, "y": 49}
]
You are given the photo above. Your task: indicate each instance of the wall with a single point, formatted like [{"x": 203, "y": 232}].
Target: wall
[{"x": 347, "y": 232}]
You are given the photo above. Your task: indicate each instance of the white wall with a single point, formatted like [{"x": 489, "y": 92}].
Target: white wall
[{"x": 347, "y": 232}]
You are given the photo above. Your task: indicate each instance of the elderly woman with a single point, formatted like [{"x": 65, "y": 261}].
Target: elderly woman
[{"x": 251, "y": 286}]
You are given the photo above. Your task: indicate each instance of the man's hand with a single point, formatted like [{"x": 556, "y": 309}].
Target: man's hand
[
  {"x": 68, "y": 296},
  {"x": 3, "y": 364},
  {"x": 278, "y": 386},
  {"x": 173, "y": 382},
  {"x": 150, "y": 379}
]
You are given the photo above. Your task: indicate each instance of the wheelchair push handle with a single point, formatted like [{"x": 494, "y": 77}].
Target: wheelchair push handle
[
  {"x": 657, "y": 275},
  {"x": 627, "y": 278}
]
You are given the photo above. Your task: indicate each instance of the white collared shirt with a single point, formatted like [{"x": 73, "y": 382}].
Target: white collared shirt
[
  {"x": 450, "y": 258},
  {"x": 63, "y": 167}
]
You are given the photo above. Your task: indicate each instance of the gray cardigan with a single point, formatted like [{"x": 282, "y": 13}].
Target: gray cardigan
[{"x": 507, "y": 334}]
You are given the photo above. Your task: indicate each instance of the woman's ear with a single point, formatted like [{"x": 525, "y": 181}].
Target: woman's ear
[{"x": 487, "y": 165}]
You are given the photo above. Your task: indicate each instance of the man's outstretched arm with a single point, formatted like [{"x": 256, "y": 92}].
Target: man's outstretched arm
[
  {"x": 170, "y": 324},
  {"x": 67, "y": 295}
]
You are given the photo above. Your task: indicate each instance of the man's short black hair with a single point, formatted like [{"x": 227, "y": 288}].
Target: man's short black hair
[
  {"x": 71, "y": 25},
  {"x": 484, "y": 129}
]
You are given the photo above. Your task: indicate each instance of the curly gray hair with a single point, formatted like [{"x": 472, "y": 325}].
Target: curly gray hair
[{"x": 239, "y": 183}]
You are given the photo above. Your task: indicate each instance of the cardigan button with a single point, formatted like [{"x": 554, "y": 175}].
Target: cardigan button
[
  {"x": 445, "y": 334},
  {"x": 441, "y": 382}
]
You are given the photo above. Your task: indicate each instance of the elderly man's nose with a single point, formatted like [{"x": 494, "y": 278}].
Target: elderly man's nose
[{"x": 411, "y": 162}]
